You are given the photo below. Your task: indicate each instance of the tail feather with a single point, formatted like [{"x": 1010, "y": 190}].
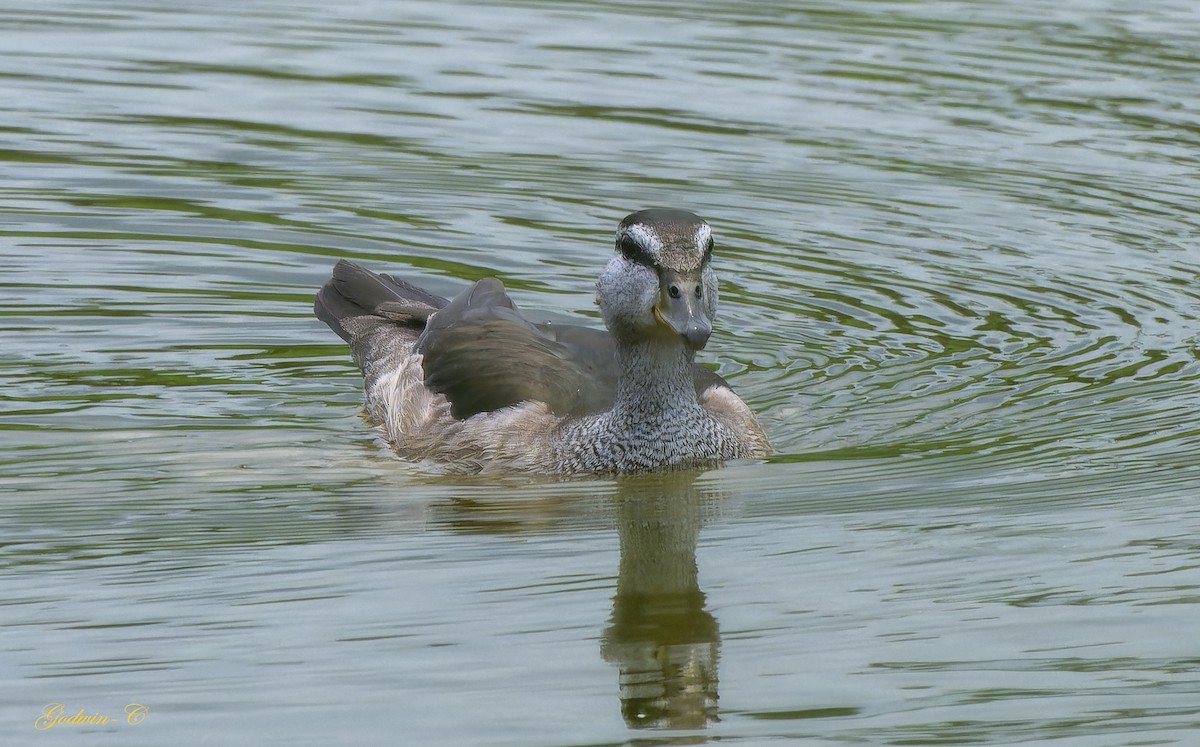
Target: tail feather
[
  {"x": 370, "y": 289},
  {"x": 354, "y": 292},
  {"x": 379, "y": 315}
]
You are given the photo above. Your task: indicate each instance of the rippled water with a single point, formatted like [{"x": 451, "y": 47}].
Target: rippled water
[{"x": 960, "y": 283}]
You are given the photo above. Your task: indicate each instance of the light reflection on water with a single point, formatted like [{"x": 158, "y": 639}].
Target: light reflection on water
[{"x": 958, "y": 281}]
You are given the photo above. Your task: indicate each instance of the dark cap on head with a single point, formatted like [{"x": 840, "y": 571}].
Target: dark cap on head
[{"x": 665, "y": 237}]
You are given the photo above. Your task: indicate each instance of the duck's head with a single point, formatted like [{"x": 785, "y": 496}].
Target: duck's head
[{"x": 659, "y": 284}]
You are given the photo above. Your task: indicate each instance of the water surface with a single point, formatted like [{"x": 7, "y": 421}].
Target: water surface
[{"x": 959, "y": 283}]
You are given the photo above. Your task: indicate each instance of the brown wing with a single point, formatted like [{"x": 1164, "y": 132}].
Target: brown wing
[{"x": 483, "y": 355}]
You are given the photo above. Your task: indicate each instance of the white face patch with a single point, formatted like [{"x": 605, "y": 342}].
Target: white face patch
[
  {"x": 703, "y": 236},
  {"x": 646, "y": 237}
]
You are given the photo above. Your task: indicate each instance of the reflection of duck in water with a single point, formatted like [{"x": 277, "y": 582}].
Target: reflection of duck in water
[
  {"x": 474, "y": 386},
  {"x": 661, "y": 636}
]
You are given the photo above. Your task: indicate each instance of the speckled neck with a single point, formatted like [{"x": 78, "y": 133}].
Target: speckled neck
[{"x": 655, "y": 377}]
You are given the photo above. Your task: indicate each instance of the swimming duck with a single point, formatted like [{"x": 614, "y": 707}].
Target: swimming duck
[{"x": 473, "y": 386}]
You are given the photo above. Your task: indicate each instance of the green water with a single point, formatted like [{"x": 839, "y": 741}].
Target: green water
[{"x": 960, "y": 283}]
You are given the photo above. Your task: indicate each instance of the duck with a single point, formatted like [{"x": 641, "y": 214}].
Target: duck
[{"x": 469, "y": 385}]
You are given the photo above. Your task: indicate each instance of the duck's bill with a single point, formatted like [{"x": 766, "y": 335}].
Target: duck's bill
[{"x": 684, "y": 316}]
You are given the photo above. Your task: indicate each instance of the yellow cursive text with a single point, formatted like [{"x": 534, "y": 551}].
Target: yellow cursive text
[
  {"x": 135, "y": 713},
  {"x": 55, "y": 713}
]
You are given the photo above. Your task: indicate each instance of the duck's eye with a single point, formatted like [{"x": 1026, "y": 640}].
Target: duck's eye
[
  {"x": 633, "y": 251},
  {"x": 699, "y": 291},
  {"x": 673, "y": 291}
]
